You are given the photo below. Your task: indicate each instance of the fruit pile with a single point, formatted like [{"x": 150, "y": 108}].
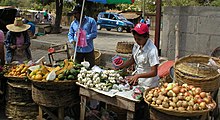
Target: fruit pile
[
  {"x": 18, "y": 71},
  {"x": 180, "y": 97},
  {"x": 67, "y": 70}
]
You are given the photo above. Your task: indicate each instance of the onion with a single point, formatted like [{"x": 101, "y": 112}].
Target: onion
[
  {"x": 176, "y": 89},
  {"x": 197, "y": 96},
  {"x": 203, "y": 105},
  {"x": 165, "y": 84},
  {"x": 175, "y": 99},
  {"x": 191, "y": 87},
  {"x": 186, "y": 94},
  {"x": 196, "y": 106},
  {"x": 202, "y": 94},
  {"x": 179, "y": 103},
  {"x": 200, "y": 100},
  {"x": 158, "y": 102},
  {"x": 181, "y": 109},
  {"x": 182, "y": 90},
  {"x": 165, "y": 104},
  {"x": 180, "y": 97},
  {"x": 189, "y": 108},
  {"x": 207, "y": 100},
  {"x": 198, "y": 90},
  {"x": 185, "y": 104}
]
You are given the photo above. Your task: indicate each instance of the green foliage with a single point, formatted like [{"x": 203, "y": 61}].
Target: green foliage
[
  {"x": 9, "y": 2},
  {"x": 215, "y": 3}
]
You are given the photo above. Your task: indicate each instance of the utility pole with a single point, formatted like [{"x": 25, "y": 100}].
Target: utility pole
[
  {"x": 158, "y": 24},
  {"x": 143, "y": 11}
]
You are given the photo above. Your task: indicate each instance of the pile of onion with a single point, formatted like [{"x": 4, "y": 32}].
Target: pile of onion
[{"x": 180, "y": 97}]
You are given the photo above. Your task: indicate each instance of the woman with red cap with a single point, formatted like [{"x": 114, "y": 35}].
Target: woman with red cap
[{"x": 146, "y": 61}]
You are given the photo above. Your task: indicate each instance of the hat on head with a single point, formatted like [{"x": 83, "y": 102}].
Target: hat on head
[
  {"x": 77, "y": 9},
  {"x": 141, "y": 28},
  {"x": 18, "y": 26}
]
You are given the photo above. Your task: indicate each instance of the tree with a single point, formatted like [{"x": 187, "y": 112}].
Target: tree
[{"x": 59, "y": 9}]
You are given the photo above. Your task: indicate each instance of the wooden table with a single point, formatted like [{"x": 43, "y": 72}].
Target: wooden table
[{"x": 118, "y": 101}]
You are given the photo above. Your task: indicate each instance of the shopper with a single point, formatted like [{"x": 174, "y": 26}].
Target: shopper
[
  {"x": 146, "y": 60},
  {"x": 148, "y": 21},
  {"x": 37, "y": 17},
  {"x": 88, "y": 31},
  {"x": 17, "y": 42},
  {"x": 31, "y": 30},
  {"x": 142, "y": 20}
]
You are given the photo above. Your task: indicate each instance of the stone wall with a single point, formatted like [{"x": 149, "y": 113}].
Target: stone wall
[{"x": 199, "y": 30}]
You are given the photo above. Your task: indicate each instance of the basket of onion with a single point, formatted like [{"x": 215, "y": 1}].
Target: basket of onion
[{"x": 179, "y": 100}]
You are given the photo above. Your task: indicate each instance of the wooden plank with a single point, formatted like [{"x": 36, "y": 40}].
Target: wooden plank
[
  {"x": 116, "y": 101},
  {"x": 83, "y": 107}
]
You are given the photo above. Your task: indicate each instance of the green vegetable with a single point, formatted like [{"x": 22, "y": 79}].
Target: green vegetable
[
  {"x": 70, "y": 77},
  {"x": 61, "y": 77}
]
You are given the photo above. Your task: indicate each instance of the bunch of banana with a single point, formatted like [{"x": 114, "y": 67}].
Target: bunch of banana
[{"x": 18, "y": 71}]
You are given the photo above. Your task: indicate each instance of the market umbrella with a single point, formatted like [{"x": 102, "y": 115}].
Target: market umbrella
[{"x": 103, "y": 2}]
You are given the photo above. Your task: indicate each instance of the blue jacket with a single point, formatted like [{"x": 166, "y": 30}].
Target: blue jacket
[
  {"x": 89, "y": 25},
  {"x": 11, "y": 40}
]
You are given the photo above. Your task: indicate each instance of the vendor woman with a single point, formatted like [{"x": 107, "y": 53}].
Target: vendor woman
[
  {"x": 145, "y": 57},
  {"x": 146, "y": 60},
  {"x": 17, "y": 42}
]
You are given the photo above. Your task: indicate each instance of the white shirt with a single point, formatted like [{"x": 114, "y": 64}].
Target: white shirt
[
  {"x": 145, "y": 58},
  {"x": 148, "y": 21}
]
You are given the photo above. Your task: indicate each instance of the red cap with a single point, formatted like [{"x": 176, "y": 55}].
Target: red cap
[{"x": 141, "y": 28}]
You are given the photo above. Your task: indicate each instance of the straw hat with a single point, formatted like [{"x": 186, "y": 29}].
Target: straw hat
[{"x": 18, "y": 26}]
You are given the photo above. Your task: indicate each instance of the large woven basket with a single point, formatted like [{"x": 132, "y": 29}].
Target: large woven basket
[
  {"x": 55, "y": 98},
  {"x": 21, "y": 111},
  {"x": 124, "y": 47},
  {"x": 176, "y": 112},
  {"x": 203, "y": 76},
  {"x": 97, "y": 57}
]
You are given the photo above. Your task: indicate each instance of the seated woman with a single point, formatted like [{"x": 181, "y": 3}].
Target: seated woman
[{"x": 17, "y": 42}]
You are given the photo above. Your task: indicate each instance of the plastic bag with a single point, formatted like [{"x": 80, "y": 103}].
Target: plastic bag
[{"x": 82, "y": 38}]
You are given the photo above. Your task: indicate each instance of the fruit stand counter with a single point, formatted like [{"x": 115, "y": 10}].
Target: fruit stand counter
[{"x": 127, "y": 104}]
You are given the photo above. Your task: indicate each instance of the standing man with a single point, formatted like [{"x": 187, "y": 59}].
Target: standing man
[
  {"x": 148, "y": 21},
  {"x": 89, "y": 29},
  {"x": 37, "y": 17}
]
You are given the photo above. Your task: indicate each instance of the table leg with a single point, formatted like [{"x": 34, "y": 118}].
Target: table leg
[
  {"x": 130, "y": 115},
  {"x": 83, "y": 107},
  {"x": 61, "y": 113},
  {"x": 40, "y": 116}
]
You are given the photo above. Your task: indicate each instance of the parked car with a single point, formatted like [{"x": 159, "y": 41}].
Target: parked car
[{"x": 116, "y": 21}]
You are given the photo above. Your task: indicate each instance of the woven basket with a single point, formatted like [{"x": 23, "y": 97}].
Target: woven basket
[
  {"x": 21, "y": 111},
  {"x": 97, "y": 57},
  {"x": 176, "y": 112},
  {"x": 18, "y": 93},
  {"x": 55, "y": 98},
  {"x": 186, "y": 72},
  {"x": 124, "y": 47}
]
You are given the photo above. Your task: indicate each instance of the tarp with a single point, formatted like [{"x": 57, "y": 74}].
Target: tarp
[{"x": 113, "y": 1}]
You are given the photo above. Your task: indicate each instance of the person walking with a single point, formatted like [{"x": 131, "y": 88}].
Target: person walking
[
  {"x": 88, "y": 32},
  {"x": 17, "y": 42}
]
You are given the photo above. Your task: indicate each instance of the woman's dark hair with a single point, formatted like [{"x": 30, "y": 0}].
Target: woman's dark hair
[{"x": 145, "y": 35}]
